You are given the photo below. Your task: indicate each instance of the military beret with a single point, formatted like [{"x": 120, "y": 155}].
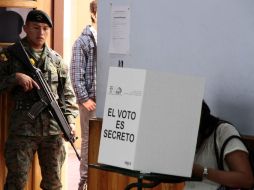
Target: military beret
[{"x": 39, "y": 16}]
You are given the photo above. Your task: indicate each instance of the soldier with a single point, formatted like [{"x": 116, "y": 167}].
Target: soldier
[{"x": 42, "y": 134}]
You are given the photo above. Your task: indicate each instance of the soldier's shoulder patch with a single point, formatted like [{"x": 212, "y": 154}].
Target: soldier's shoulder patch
[
  {"x": 55, "y": 53},
  {"x": 54, "y": 56},
  {"x": 3, "y": 57}
]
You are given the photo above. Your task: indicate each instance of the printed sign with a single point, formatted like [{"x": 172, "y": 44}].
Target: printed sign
[
  {"x": 121, "y": 115},
  {"x": 146, "y": 114}
]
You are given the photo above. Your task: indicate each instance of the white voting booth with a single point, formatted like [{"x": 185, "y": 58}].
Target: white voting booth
[{"x": 151, "y": 121}]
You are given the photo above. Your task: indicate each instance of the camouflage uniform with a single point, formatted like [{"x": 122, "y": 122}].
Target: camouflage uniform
[{"x": 41, "y": 135}]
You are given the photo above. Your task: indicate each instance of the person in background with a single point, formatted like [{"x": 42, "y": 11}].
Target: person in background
[
  {"x": 13, "y": 28},
  {"x": 41, "y": 134},
  {"x": 83, "y": 78},
  {"x": 237, "y": 171}
]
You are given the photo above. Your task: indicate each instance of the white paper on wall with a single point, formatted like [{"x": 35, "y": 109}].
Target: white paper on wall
[{"x": 120, "y": 30}]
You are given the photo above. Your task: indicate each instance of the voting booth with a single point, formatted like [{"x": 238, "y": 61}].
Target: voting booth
[{"x": 151, "y": 121}]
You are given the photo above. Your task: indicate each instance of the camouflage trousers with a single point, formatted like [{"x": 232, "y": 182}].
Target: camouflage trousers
[{"x": 19, "y": 153}]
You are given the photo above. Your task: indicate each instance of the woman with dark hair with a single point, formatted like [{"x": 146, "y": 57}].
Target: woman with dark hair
[{"x": 237, "y": 171}]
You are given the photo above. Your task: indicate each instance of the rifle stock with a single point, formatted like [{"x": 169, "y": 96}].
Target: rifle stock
[{"x": 46, "y": 95}]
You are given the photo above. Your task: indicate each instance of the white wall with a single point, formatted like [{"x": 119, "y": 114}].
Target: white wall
[
  {"x": 210, "y": 38},
  {"x": 76, "y": 17}
]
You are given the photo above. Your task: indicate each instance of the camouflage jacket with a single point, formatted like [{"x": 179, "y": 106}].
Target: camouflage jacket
[{"x": 54, "y": 71}]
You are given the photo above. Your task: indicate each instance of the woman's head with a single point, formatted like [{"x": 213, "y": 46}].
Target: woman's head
[{"x": 207, "y": 124}]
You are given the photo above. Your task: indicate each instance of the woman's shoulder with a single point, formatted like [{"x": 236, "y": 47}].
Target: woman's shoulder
[{"x": 224, "y": 131}]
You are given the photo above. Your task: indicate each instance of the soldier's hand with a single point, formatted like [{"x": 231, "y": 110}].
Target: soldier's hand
[
  {"x": 73, "y": 129},
  {"x": 90, "y": 105},
  {"x": 26, "y": 82}
]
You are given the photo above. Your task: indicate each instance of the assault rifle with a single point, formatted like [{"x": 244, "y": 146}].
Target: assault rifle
[{"x": 47, "y": 97}]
